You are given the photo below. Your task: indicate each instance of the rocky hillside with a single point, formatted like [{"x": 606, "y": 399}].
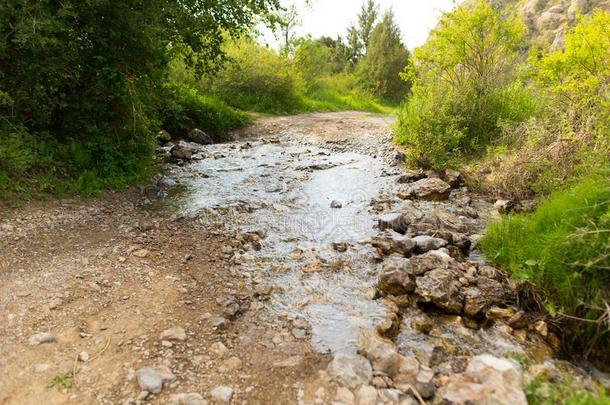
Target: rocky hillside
[{"x": 547, "y": 20}]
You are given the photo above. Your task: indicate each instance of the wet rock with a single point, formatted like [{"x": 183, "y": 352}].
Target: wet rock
[
  {"x": 176, "y": 334},
  {"x": 410, "y": 176},
  {"x": 475, "y": 302},
  {"x": 440, "y": 287},
  {"x": 393, "y": 242},
  {"x": 41, "y": 338},
  {"x": 350, "y": 370},
  {"x": 518, "y": 321},
  {"x": 487, "y": 380},
  {"x": 422, "y": 323},
  {"x": 396, "y": 222},
  {"x": 394, "y": 277},
  {"x": 222, "y": 394},
  {"x": 426, "y": 243},
  {"x": 336, "y": 204},
  {"x": 499, "y": 313},
  {"x": 430, "y": 189},
  {"x": 452, "y": 177},
  {"x": 187, "y": 399},
  {"x": 152, "y": 379},
  {"x": 504, "y": 206},
  {"x": 198, "y": 136},
  {"x": 442, "y": 220},
  {"x": 182, "y": 151},
  {"x": 389, "y": 327},
  {"x": 340, "y": 246}
]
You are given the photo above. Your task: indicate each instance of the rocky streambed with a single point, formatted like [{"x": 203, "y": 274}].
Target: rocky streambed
[{"x": 372, "y": 263}]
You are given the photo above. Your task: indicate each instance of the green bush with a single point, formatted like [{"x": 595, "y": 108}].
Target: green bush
[
  {"x": 564, "y": 250},
  {"x": 183, "y": 109},
  {"x": 464, "y": 87},
  {"x": 255, "y": 79}
]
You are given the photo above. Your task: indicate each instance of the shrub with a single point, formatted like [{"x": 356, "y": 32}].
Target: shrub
[
  {"x": 255, "y": 79},
  {"x": 183, "y": 109},
  {"x": 464, "y": 87},
  {"x": 564, "y": 250}
]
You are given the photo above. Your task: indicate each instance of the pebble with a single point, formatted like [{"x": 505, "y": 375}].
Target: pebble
[
  {"x": 220, "y": 323},
  {"x": 219, "y": 349},
  {"x": 176, "y": 334},
  {"x": 231, "y": 364},
  {"x": 142, "y": 253},
  {"x": 83, "y": 356},
  {"x": 151, "y": 379},
  {"x": 336, "y": 204},
  {"x": 187, "y": 399},
  {"x": 222, "y": 394},
  {"x": 40, "y": 338}
]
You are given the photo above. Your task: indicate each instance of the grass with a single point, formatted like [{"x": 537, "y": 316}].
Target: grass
[
  {"x": 563, "y": 249},
  {"x": 62, "y": 380},
  {"x": 539, "y": 392}
]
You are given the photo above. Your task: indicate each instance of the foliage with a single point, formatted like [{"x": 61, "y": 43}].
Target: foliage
[
  {"x": 464, "y": 87},
  {"x": 566, "y": 392},
  {"x": 312, "y": 61},
  {"x": 359, "y": 36},
  {"x": 386, "y": 57},
  {"x": 184, "y": 109},
  {"x": 564, "y": 250},
  {"x": 62, "y": 380},
  {"x": 81, "y": 79}
]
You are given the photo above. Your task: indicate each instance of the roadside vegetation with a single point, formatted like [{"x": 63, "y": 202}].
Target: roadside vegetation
[
  {"x": 85, "y": 87},
  {"x": 523, "y": 122}
]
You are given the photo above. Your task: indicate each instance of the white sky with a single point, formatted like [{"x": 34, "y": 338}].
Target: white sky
[{"x": 332, "y": 17}]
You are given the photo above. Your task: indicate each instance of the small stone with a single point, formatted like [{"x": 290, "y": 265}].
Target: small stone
[
  {"x": 219, "y": 349},
  {"x": 336, "y": 204},
  {"x": 40, "y": 338},
  {"x": 176, "y": 334},
  {"x": 222, "y": 394},
  {"x": 231, "y": 364},
  {"x": 344, "y": 396},
  {"x": 83, "y": 356},
  {"x": 366, "y": 395},
  {"x": 541, "y": 328},
  {"x": 299, "y": 333},
  {"x": 504, "y": 206},
  {"x": 499, "y": 313},
  {"x": 55, "y": 303},
  {"x": 220, "y": 323},
  {"x": 422, "y": 323},
  {"x": 351, "y": 370},
  {"x": 518, "y": 321},
  {"x": 340, "y": 246},
  {"x": 187, "y": 399},
  {"x": 141, "y": 253},
  {"x": 152, "y": 379},
  {"x": 426, "y": 243}
]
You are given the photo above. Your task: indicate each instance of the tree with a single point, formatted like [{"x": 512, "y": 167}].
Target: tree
[
  {"x": 385, "y": 59},
  {"x": 339, "y": 53},
  {"x": 359, "y": 36},
  {"x": 287, "y": 21},
  {"x": 83, "y": 77}
]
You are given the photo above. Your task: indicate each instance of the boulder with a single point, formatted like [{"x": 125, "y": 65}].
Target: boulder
[
  {"x": 487, "y": 380},
  {"x": 394, "y": 277},
  {"x": 434, "y": 259},
  {"x": 350, "y": 370},
  {"x": 198, "y": 136},
  {"x": 430, "y": 189},
  {"x": 441, "y": 288}
]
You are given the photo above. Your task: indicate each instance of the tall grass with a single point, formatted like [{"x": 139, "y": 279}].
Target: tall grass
[{"x": 564, "y": 250}]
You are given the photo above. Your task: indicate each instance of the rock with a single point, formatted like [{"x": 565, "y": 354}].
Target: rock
[
  {"x": 187, "y": 399},
  {"x": 336, "y": 204},
  {"x": 518, "y": 321},
  {"x": 452, "y": 177},
  {"x": 55, "y": 303},
  {"x": 219, "y": 323},
  {"x": 426, "y": 243},
  {"x": 487, "y": 380},
  {"x": 475, "y": 301},
  {"x": 384, "y": 358},
  {"x": 430, "y": 189},
  {"x": 440, "y": 287},
  {"x": 40, "y": 338},
  {"x": 222, "y": 394},
  {"x": 526, "y": 206},
  {"x": 441, "y": 220},
  {"x": 152, "y": 379},
  {"x": 41, "y": 368},
  {"x": 424, "y": 382},
  {"x": 490, "y": 272},
  {"x": 366, "y": 395},
  {"x": 231, "y": 364},
  {"x": 390, "y": 326},
  {"x": 219, "y": 349},
  {"x": 175, "y": 334},
  {"x": 541, "y": 328},
  {"x": 340, "y": 246},
  {"x": 350, "y": 370},
  {"x": 396, "y": 222},
  {"x": 394, "y": 277},
  {"x": 141, "y": 253},
  {"x": 393, "y": 242},
  {"x": 422, "y": 323},
  {"x": 504, "y": 206},
  {"x": 434, "y": 259},
  {"x": 182, "y": 151},
  {"x": 83, "y": 356},
  {"x": 499, "y": 313},
  {"x": 494, "y": 291},
  {"x": 299, "y": 333},
  {"x": 198, "y": 136},
  {"x": 163, "y": 136},
  {"x": 410, "y": 176},
  {"x": 344, "y": 396}
]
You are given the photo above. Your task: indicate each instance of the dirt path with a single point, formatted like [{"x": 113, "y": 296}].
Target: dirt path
[{"x": 261, "y": 260}]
